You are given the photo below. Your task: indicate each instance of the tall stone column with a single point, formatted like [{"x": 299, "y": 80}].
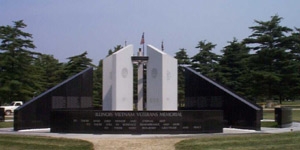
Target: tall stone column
[
  {"x": 161, "y": 80},
  {"x": 117, "y": 81}
]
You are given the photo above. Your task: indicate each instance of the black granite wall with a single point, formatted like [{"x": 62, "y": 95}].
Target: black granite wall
[
  {"x": 137, "y": 122},
  {"x": 283, "y": 117},
  {"x": 75, "y": 92},
  {"x": 203, "y": 93}
]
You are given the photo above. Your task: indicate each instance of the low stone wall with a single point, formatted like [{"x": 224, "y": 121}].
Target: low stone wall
[{"x": 283, "y": 117}]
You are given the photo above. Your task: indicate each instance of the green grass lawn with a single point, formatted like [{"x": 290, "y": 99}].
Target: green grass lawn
[
  {"x": 269, "y": 114},
  {"x": 18, "y": 142},
  {"x": 6, "y": 124},
  {"x": 244, "y": 142},
  {"x": 296, "y": 102}
]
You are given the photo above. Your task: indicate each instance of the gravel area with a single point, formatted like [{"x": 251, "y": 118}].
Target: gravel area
[{"x": 135, "y": 144}]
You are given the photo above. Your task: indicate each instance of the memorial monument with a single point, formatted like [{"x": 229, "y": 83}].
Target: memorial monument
[
  {"x": 161, "y": 80},
  {"x": 160, "y": 114},
  {"x": 67, "y": 107}
]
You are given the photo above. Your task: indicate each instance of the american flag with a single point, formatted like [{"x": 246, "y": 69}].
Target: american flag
[{"x": 143, "y": 39}]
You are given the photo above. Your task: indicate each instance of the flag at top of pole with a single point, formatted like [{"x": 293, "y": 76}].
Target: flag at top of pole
[
  {"x": 143, "y": 39},
  {"x": 143, "y": 42}
]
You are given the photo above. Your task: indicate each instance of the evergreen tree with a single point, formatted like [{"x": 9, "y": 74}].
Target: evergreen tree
[
  {"x": 116, "y": 48},
  {"x": 205, "y": 61},
  {"x": 183, "y": 59},
  {"x": 77, "y": 64},
  {"x": 18, "y": 79},
  {"x": 292, "y": 70},
  {"x": 232, "y": 69},
  {"x": 50, "y": 70},
  {"x": 268, "y": 41},
  {"x": 97, "y": 85}
]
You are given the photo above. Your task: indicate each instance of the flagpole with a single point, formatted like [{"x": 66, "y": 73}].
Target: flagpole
[{"x": 143, "y": 42}]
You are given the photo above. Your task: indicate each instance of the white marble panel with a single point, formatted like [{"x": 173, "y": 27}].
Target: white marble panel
[
  {"x": 161, "y": 80},
  {"x": 118, "y": 80}
]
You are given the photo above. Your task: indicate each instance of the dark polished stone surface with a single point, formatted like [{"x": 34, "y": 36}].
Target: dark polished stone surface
[
  {"x": 203, "y": 93},
  {"x": 283, "y": 117},
  {"x": 75, "y": 92},
  {"x": 2, "y": 117},
  {"x": 137, "y": 122}
]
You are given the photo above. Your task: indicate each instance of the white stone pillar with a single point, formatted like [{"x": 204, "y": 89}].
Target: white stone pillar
[
  {"x": 140, "y": 90},
  {"x": 118, "y": 80},
  {"x": 161, "y": 80}
]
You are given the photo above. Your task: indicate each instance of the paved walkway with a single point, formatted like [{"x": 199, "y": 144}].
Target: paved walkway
[
  {"x": 46, "y": 132},
  {"x": 144, "y": 141}
]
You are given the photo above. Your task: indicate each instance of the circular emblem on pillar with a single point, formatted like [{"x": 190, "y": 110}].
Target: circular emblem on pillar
[
  {"x": 154, "y": 72},
  {"x": 124, "y": 72},
  {"x": 169, "y": 75}
]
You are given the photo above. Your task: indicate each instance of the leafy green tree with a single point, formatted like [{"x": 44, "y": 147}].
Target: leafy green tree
[
  {"x": 77, "y": 64},
  {"x": 205, "y": 61},
  {"x": 271, "y": 55},
  {"x": 18, "y": 79},
  {"x": 183, "y": 59}
]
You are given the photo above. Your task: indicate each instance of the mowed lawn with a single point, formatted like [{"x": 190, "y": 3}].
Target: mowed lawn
[
  {"x": 270, "y": 114},
  {"x": 281, "y": 141},
  {"x": 21, "y": 142}
]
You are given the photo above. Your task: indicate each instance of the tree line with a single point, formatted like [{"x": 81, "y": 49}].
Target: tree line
[{"x": 263, "y": 66}]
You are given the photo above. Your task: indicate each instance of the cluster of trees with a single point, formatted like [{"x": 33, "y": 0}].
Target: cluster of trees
[
  {"x": 263, "y": 66},
  {"x": 25, "y": 73}
]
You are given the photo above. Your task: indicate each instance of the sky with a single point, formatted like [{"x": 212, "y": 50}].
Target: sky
[{"x": 65, "y": 28}]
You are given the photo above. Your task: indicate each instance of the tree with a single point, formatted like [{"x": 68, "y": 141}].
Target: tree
[
  {"x": 183, "y": 59},
  {"x": 97, "y": 85},
  {"x": 205, "y": 61},
  {"x": 50, "y": 70},
  {"x": 232, "y": 68},
  {"x": 77, "y": 64},
  {"x": 116, "y": 48},
  {"x": 292, "y": 70},
  {"x": 18, "y": 80},
  {"x": 268, "y": 41}
]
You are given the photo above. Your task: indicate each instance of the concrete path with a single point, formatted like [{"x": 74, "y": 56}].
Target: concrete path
[{"x": 144, "y": 141}]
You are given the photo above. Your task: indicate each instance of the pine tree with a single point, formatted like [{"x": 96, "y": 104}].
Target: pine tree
[
  {"x": 97, "y": 85},
  {"x": 232, "y": 66},
  {"x": 183, "y": 59},
  {"x": 77, "y": 64},
  {"x": 205, "y": 61},
  {"x": 50, "y": 70},
  {"x": 18, "y": 77},
  {"x": 271, "y": 56}
]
